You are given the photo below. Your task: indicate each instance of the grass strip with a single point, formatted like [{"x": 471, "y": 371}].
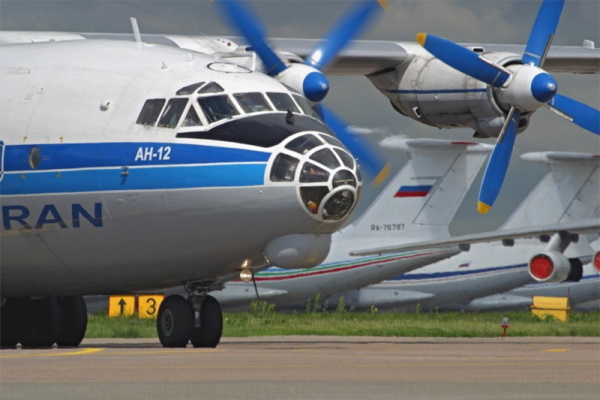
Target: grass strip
[{"x": 264, "y": 320}]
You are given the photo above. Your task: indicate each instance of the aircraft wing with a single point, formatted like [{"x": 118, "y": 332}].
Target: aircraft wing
[
  {"x": 463, "y": 241},
  {"x": 573, "y": 59},
  {"x": 363, "y": 57},
  {"x": 360, "y": 57}
]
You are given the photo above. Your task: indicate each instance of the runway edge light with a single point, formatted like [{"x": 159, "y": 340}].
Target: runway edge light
[{"x": 504, "y": 326}]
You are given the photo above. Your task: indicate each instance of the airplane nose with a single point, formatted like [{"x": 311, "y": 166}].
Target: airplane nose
[{"x": 326, "y": 175}]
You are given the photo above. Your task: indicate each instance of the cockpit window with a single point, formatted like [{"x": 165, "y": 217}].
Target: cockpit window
[
  {"x": 331, "y": 140},
  {"x": 189, "y": 89},
  {"x": 304, "y": 106},
  {"x": 191, "y": 118},
  {"x": 283, "y": 102},
  {"x": 150, "y": 111},
  {"x": 211, "y": 87},
  {"x": 344, "y": 177},
  {"x": 217, "y": 108},
  {"x": 172, "y": 113},
  {"x": 252, "y": 102},
  {"x": 345, "y": 157},
  {"x": 311, "y": 173},
  {"x": 327, "y": 158},
  {"x": 284, "y": 168},
  {"x": 303, "y": 144}
]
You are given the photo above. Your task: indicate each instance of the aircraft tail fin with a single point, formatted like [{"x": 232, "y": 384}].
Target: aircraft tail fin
[
  {"x": 569, "y": 191},
  {"x": 422, "y": 198}
]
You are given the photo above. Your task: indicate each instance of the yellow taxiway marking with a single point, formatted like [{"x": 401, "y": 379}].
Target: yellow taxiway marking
[
  {"x": 555, "y": 350},
  {"x": 70, "y": 353}
]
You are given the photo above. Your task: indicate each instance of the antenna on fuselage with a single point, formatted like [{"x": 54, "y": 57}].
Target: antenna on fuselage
[{"x": 136, "y": 30}]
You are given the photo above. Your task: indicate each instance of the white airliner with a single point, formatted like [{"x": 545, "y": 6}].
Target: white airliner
[
  {"x": 568, "y": 193},
  {"x": 418, "y": 203},
  {"x": 140, "y": 162},
  {"x": 128, "y": 166},
  {"x": 491, "y": 89},
  {"x": 582, "y": 295}
]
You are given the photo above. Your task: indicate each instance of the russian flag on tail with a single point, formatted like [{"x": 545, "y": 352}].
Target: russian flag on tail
[{"x": 413, "y": 191}]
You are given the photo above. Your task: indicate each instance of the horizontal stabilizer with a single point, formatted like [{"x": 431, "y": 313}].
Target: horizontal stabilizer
[
  {"x": 591, "y": 226},
  {"x": 432, "y": 145},
  {"x": 554, "y": 157}
]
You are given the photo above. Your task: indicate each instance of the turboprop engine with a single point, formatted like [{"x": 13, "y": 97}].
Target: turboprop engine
[{"x": 433, "y": 93}]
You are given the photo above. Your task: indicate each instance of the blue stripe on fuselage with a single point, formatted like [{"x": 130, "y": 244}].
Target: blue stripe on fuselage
[
  {"x": 74, "y": 168},
  {"x": 171, "y": 177},
  {"x": 116, "y": 154}
]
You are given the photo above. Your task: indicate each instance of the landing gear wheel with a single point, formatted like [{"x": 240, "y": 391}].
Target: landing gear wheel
[
  {"x": 211, "y": 328},
  {"x": 9, "y": 324},
  {"x": 73, "y": 321},
  {"x": 174, "y": 322},
  {"x": 42, "y": 322}
]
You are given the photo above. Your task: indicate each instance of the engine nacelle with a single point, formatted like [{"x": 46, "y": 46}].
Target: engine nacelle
[
  {"x": 554, "y": 267},
  {"x": 429, "y": 91},
  {"x": 596, "y": 261}
]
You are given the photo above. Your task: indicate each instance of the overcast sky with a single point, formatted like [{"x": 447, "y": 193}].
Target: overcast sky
[{"x": 354, "y": 98}]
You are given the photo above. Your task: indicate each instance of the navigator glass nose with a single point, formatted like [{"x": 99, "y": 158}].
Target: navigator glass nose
[{"x": 327, "y": 175}]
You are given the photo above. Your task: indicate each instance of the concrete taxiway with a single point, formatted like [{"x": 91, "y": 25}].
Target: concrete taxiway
[{"x": 300, "y": 367}]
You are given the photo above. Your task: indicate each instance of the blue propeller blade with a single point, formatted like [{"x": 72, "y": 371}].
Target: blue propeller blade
[
  {"x": 542, "y": 31},
  {"x": 360, "y": 149},
  {"x": 346, "y": 29},
  {"x": 497, "y": 166},
  {"x": 583, "y": 115},
  {"x": 462, "y": 59},
  {"x": 315, "y": 84},
  {"x": 249, "y": 26}
]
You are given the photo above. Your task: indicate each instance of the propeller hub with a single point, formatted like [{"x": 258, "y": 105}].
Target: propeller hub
[
  {"x": 543, "y": 87},
  {"x": 315, "y": 86}
]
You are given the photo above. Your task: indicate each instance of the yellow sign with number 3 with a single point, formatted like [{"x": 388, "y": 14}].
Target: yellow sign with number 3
[{"x": 148, "y": 305}]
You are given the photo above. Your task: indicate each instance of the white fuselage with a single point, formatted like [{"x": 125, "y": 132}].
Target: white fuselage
[
  {"x": 484, "y": 270},
  {"x": 95, "y": 202}
]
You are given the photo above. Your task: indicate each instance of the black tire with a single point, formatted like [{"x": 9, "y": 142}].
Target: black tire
[
  {"x": 9, "y": 321},
  {"x": 42, "y": 322},
  {"x": 174, "y": 322},
  {"x": 73, "y": 321},
  {"x": 211, "y": 327}
]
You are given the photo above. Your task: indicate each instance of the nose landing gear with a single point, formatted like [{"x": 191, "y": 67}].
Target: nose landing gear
[{"x": 198, "y": 319}]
